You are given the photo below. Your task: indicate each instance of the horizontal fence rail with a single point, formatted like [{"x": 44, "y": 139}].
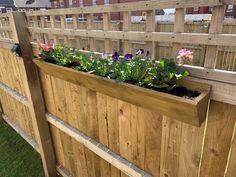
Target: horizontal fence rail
[
  {"x": 193, "y": 38},
  {"x": 116, "y": 160},
  {"x": 23, "y": 99}
]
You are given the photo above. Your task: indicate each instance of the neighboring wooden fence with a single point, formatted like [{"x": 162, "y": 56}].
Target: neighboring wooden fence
[{"x": 94, "y": 135}]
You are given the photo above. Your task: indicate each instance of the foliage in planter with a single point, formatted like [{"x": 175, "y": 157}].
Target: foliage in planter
[{"x": 138, "y": 69}]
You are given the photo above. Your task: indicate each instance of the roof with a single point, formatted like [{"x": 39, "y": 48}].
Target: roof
[
  {"x": 32, "y": 3},
  {"x": 6, "y": 2}
]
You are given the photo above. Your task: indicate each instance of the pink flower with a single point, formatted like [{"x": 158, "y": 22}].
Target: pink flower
[
  {"x": 185, "y": 56},
  {"x": 48, "y": 47}
]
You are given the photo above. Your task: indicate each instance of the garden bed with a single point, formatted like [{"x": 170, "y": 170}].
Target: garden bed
[{"x": 192, "y": 111}]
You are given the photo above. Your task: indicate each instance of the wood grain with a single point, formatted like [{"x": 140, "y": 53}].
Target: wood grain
[
  {"x": 155, "y": 98},
  {"x": 37, "y": 110},
  {"x": 217, "y": 144}
]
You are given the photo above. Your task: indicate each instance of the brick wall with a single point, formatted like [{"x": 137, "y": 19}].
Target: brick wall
[
  {"x": 231, "y": 13},
  {"x": 198, "y": 10}
]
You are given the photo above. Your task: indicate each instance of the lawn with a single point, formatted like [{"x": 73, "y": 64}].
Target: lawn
[{"x": 17, "y": 158}]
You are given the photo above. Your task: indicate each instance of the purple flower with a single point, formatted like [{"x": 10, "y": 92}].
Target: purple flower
[
  {"x": 104, "y": 56},
  {"x": 115, "y": 56},
  {"x": 140, "y": 52},
  {"x": 128, "y": 57}
]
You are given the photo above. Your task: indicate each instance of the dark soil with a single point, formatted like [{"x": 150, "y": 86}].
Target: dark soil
[
  {"x": 177, "y": 91},
  {"x": 181, "y": 92},
  {"x": 71, "y": 64}
]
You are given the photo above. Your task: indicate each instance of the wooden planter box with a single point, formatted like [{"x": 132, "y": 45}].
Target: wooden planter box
[{"x": 189, "y": 111}]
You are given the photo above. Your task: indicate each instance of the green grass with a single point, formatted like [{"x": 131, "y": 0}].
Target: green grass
[{"x": 17, "y": 157}]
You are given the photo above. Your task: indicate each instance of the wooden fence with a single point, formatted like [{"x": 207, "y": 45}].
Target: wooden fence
[{"x": 84, "y": 133}]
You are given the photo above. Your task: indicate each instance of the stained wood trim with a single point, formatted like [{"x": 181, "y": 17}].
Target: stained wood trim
[
  {"x": 131, "y": 6},
  {"x": 21, "y": 98},
  {"x": 111, "y": 157},
  {"x": 193, "y": 38}
]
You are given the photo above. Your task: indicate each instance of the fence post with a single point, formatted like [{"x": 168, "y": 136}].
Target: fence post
[{"x": 20, "y": 35}]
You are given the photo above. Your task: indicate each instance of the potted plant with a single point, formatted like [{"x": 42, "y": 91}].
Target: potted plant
[{"x": 151, "y": 84}]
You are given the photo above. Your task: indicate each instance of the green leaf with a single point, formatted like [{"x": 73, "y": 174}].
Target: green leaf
[
  {"x": 162, "y": 63},
  {"x": 185, "y": 73}
]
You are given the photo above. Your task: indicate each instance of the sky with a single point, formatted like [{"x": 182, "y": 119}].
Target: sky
[{"x": 168, "y": 11}]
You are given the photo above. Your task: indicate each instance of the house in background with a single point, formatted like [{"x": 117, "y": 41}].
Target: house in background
[
  {"x": 23, "y": 5},
  {"x": 29, "y": 5},
  {"x": 6, "y": 6},
  {"x": 229, "y": 12},
  {"x": 114, "y": 16}
]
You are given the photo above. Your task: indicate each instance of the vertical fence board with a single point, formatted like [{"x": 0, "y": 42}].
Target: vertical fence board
[
  {"x": 231, "y": 170},
  {"x": 178, "y": 28},
  {"x": 90, "y": 26},
  {"x": 181, "y": 145},
  {"x": 106, "y": 27},
  {"x": 75, "y": 26},
  {"x": 113, "y": 130},
  {"x": 64, "y": 26},
  {"x": 127, "y": 27},
  {"x": 221, "y": 121},
  {"x": 50, "y": 102},
  {"x": 53, "y": 25},
  {"x": 216, "y": 27},
  {"x": 103, "y": 131},
  {"x": 78, "y": 117},
  {"x": 151, "y": 27},
  {"x": 152, "y": 140}
]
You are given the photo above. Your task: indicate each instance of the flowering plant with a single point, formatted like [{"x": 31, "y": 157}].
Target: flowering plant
[
  {"x": 46, "y": 51},
  {"x": 46, "y": 47},
  {"x": 138, "y": 69},
  {"x": 185, "y": 56}
]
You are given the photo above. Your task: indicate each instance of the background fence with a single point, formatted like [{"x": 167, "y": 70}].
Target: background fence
[{"x": 67, "y": 121}]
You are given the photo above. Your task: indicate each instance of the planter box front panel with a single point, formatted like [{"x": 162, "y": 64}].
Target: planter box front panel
[
  {"x": 129, "y": 130},
  {"x": 185, "y": 110}
]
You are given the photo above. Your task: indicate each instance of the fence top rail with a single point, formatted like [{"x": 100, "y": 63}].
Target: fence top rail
[
  {"x": 4, "y": 15},
  {"x": 193, "y": 38},
  {"x": 132, "y": 6}
]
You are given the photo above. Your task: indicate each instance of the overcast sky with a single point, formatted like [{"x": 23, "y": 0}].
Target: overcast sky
[{"x": 168, "y": 11}]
